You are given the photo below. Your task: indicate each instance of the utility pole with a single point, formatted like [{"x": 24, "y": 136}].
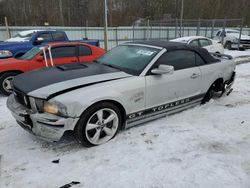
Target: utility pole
[
  {"x": 7, "y": 27},
  {"x": 181, "y": 17},
  {"x": 105, "y": 25},
  {"x": 61, "y": 12}
]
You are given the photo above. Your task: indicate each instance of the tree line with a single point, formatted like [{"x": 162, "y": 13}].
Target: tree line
[{"x": 120, "y": 12}]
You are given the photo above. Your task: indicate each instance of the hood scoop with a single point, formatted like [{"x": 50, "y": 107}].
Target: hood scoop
[{"x": 74, "y": 66}]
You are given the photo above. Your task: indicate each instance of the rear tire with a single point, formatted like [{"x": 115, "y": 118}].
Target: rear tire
[
  {"x": 98, "y": 124},
  {"x": 209, "y": 95},
  {"x": 217, "y": 89},
  {"x": 6, "y": 81}
]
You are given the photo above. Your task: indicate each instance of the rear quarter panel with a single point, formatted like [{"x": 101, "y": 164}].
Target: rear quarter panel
[
  {"x": 214, "y": 71},
  {"x": 96, "y": 53}
]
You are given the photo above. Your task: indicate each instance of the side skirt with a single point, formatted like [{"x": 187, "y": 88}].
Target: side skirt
[{"x": 162, "y": 113}]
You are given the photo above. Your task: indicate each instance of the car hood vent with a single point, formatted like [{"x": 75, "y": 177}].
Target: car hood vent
[{"x": 67, "y": 67}]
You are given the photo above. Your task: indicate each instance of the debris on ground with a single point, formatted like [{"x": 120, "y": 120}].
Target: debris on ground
[{"x": 70, "y": 184}]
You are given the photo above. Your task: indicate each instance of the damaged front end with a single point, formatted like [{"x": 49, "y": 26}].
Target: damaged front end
[{"x": 49, "y": 125}]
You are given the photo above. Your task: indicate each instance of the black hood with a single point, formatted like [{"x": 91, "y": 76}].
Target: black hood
[{"x": 37, "y": 79}]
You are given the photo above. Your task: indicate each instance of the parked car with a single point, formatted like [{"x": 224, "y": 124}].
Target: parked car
[
  {"x": 131, "y": 84},
  {"x": 203, "y": 42},
  {"x": 231, "y": 39},
  {"x": 25, "y": 40},
  {"x": 62, "y": 53}
]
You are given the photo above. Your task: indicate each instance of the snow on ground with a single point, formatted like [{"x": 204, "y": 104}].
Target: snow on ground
[
  {"x": 206, "y": 146},
  {"x": 236, "y": 53},
  {"x": 239, "y": 56}
]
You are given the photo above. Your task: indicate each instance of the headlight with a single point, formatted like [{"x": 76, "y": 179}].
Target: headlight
[
  {"x": 50, "y": 108},
  {"x": 55, "y": 108},
  {"x": 5, "y": 53}
]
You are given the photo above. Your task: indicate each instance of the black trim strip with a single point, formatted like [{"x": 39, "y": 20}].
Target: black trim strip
[
  {"x": 164, "y": 112},
  {"x": 80, "y": 86},
  {"x": 165, "y": 108}
]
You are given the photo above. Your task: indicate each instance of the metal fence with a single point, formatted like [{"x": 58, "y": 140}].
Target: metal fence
[{"x": 152, "y": 30}]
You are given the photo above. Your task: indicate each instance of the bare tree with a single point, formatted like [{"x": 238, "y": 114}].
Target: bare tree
[{"x": 121, "y": 12}]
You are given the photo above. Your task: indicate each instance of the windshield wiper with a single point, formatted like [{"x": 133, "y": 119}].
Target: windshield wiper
[
  {"x": 113, "y": 66},
  {"x": 109, "y": 65}
]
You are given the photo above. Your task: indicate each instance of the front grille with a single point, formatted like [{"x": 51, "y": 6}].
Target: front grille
[
  {"x": 22, "y": 98},
  {"x": 245, "y": 41}
]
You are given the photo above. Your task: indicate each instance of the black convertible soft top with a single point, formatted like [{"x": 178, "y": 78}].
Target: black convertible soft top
[{"x": 170, "y": 46}]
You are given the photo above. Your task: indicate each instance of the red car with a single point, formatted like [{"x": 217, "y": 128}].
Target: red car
[{"x": 62, "y": 53}]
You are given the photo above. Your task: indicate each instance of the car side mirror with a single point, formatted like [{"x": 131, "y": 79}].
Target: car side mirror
[
  {"x": 39, "y": 58},
  {"x": 19, "y": 54},
  {"x": 39, "y": 40},
  {"x": 163, "y": 69}
]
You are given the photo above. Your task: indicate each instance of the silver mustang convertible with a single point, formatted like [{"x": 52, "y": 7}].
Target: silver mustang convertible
[{"x": 131, "y": 84}]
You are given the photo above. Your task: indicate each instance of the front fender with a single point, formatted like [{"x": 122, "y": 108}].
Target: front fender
[
  {"x": 77, "y": 104},
  {"x": 19, "y": 54},
  {"x": 130, "y": 93},
  {"x": 16, "y": 47}
]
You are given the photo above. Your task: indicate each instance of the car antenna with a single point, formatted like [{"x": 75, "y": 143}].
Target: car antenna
[
  {"x": 50, "y": 55},
  {"x": 45, "y": 57}
]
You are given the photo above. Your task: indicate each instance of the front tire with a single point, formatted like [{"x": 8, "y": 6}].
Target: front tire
[
  {"x": 228, "y": 45},
  {"x": 5, "y": 82},
  {"x": 98, "y": 124}
]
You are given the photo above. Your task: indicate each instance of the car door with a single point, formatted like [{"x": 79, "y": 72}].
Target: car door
[
  {"x": 63, "y": 55},
  {"x": 207, "y": 44},
  {"x": 46, "y": 38},
  {"x": 184, "y": 83},
  {"x": 34, "y": 58},
  {"x": 37, "y": 62},
  {"x": 85, "y": 54},
  {"x": 194, "y": 42}
]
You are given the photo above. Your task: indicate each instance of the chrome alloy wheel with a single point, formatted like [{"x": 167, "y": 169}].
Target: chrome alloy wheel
[
  {"x": 102, "y": 126},
  {"x": 6, "y": 84}
]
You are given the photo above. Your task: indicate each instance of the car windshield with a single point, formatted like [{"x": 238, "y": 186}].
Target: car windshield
[
  {"x": 30, "y": 54},
  {"x": 129, "y": 58}
]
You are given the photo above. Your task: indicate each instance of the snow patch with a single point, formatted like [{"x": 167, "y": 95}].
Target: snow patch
[{"x": 206, "y": 146}]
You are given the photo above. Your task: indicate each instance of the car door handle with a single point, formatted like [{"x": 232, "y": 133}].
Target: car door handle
[{"x": 194, "y": 75}]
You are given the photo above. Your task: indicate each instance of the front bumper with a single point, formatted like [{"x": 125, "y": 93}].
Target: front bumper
[
  {"x": 241, "y": 45},
  {"x": 46, "y": 126}
]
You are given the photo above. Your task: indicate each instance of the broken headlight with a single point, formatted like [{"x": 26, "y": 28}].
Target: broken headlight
[{"x": 55, "y": 108}]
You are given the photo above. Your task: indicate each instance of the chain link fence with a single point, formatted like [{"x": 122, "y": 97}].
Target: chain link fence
[
  {"x": 147, "y": 30},
  {"x": 188, "y": 27}
]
